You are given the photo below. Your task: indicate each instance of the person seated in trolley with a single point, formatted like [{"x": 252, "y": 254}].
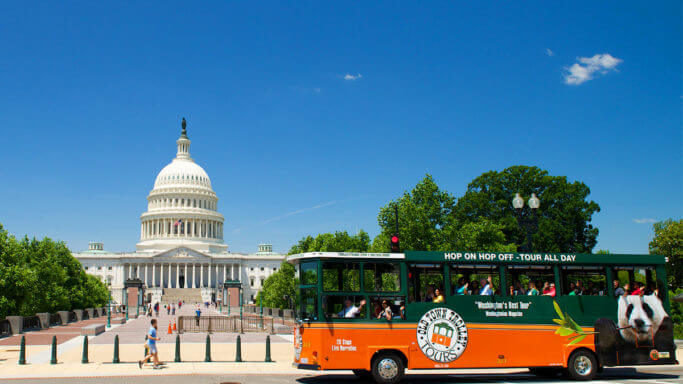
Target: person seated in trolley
[
  {"x": 462, "y": 288},
  {"x": 386, "y": 311},
  {"x": 438, "y": 297},
  {"x": 486, "y": 287},
  {"x": 350, "y": 311}
]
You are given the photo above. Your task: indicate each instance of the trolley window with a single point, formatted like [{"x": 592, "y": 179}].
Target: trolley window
[
  {"x": 388, "y": 308},
  {"x": 309, "y": 304},
  {"x": 475, "y": 279},
  {"x": 529, "y": 279},
  {"x": 382, "y": 277},
  {"x": 426, "y": 282},
  {"x": 341, "y": 277},
  {"x": 308, "y": 273},
  {"x": 579, "y": 280},
  {"x": 344, "y": 307},
  {"x": 635, "y": 278}
]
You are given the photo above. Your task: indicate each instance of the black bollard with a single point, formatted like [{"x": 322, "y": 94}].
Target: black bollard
[
  {"x": 177, "y": 349},
  {"x": 207, "y": 358},
  {"x": 84, "y": 359},
  {"x": 116, "y": 350},
  {"x": 238, "y": 350},
  {"x": 53, "y": 358},
  {"x": 22, "y": 351},
  {"x": 268, "y": 359}
]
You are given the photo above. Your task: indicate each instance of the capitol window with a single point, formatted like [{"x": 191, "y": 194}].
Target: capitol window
[{"x": 251, "y": 282}]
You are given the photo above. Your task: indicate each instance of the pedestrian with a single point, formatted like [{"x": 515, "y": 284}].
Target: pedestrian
[
  {"x": 156, "y": 309},
  {"x": 168, "y": 309},
  {"x": 198, "y": 313},
  {"x": 152, "y": 345},
  {"x": 173, "y": 310}
]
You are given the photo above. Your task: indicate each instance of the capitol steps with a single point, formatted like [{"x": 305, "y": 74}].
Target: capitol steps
[{"x": 188, "y": 295}]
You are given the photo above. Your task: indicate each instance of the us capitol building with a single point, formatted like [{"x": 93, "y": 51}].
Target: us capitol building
[{"x": 181, "y": 248}]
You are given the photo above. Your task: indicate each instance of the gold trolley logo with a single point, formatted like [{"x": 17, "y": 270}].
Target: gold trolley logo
[{"x": 442, "y": 335}]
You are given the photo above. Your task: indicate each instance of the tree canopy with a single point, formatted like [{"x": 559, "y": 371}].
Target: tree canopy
[
  {"x": 42, "y": 276},
  {"x": 427, "y": 222},
  {"x": 278, "y": 287},
  {"x": 564, "y": 215},
  {"x": 339, "y": 241},
  {"x": 668, "y": 241}
]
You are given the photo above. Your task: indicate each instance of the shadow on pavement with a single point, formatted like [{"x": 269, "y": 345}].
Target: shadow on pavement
[{"x": 608, "y": 374}]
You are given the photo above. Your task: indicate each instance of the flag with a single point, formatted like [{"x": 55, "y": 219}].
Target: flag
[{"x": 179, "y": 222}]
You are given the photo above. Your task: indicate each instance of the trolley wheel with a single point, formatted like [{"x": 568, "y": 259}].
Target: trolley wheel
[
  {"x": 545, "y": 371},
  {"x": 362, "y": 373},
  {"x": 582, "y": 365},
  {"x": 387, "y": 368}
]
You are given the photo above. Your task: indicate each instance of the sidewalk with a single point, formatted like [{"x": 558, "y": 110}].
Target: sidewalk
[{"x": 131, "y": 349}]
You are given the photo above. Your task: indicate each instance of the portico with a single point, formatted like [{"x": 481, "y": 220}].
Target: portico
[{"x": 181, "y": 274}]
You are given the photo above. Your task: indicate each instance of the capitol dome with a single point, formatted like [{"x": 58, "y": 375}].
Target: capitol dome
[{"x": 182, "y": 207}]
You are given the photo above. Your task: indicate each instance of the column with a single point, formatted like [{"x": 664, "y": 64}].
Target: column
[
  {"x": 225, "y": 272},
  {"x": 169, "y": 275},
  {"x": 154, "y": 275},
  {"x": 177, "y": 275},
  {"x": 146, "y": 274},
  {"x": 141, "y": 229},
  {"x": 193, "y": 274},
  {"x": 201, "y": 274},
  {"x": 187, "y": 283},
  {"x": 209, "y": 269},
  {"x": 232, "y": 271}
]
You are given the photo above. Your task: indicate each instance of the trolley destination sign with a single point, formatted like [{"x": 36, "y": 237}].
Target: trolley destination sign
[
  {"x": 510, "y": 257},
  {"x": 472, "y": 257}
]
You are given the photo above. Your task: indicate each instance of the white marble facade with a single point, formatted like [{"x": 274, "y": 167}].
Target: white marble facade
[{"x": 181, "y": 240}]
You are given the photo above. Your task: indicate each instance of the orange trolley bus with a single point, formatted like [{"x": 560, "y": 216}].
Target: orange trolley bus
[{"x": 379, "y": 314}]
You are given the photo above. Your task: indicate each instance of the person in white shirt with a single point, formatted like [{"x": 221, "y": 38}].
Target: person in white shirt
[
  {"x": 350, "y": 310},
  {"x": 486, "y": 284}
]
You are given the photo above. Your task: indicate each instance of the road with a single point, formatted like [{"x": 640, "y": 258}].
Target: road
[{"x": 659, "y": 375}]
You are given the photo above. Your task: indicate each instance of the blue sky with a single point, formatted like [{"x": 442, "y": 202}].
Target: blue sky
[{"x": 310, "y": 116}]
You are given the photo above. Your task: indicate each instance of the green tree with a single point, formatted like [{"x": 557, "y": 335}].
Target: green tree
[
  {"x": 427, "y": 222},
  {"x": 278, "y": 286},
  {"x": 482, "y": 235},
  {"x": 339, "y": 241},
  {"x": 43, "y": 276},
  {"x": 564, "y": 215},
  {"x": 423, "y": 213},
  {"x": 668, "y": 241}
]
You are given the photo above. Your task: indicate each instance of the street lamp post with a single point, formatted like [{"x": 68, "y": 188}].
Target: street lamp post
[
  {"x": 527, "y": 218},
  {"x": 109, "y": 308}
]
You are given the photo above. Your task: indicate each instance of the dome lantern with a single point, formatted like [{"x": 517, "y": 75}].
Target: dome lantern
[{"x": 183, "y": 143}]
